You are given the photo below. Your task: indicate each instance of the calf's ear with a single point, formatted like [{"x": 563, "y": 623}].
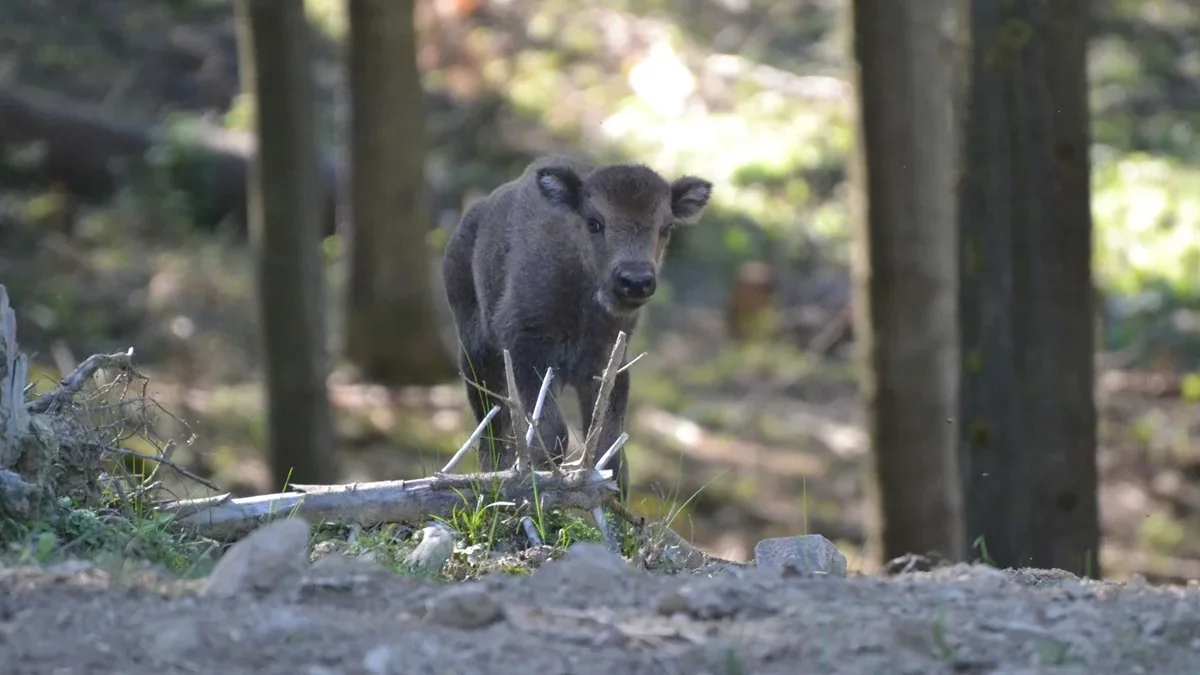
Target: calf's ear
[
  {"x": 561, "y": 187},
  {"x": 689, "y": 196}
]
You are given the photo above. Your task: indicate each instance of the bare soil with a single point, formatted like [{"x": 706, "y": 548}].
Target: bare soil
[{"x": 583, "y": 617}]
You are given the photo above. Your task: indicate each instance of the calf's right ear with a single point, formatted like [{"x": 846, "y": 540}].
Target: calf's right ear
[{"x": 561, "y": 186}]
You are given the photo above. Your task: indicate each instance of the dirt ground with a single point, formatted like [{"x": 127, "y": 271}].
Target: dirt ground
[{"x": 590, "y": 614}]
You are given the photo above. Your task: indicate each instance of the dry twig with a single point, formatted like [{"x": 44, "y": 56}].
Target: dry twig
[
  {"x": 470, "y": 441},
  {"x": 159, "y": 460},
  {"x": 73, "y": 383}
]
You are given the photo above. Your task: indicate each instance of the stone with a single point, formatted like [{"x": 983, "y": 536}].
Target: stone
[
  {"x": 436, "y": 547},
  {"x": 338, "y": 571},
  {"x": 711, "y": 599},
  {"x": 703, "y": 603},
  {"x": 586, "y": 567},
  {"x": 809, "y": 553},
  {"x": 464, "y": 607},
  {"x": 272, "y": 558}
]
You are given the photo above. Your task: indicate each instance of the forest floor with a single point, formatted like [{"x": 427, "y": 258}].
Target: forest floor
[{"x": 591, "y": 614}]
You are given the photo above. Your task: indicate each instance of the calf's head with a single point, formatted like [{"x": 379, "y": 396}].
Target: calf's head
[{"x": 627, "y": 214}]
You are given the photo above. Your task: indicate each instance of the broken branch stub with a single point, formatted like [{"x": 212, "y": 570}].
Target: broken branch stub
[
  {"x": 470, "y": 441},
  {"x": 532, "y": 434},
  {"x": 612, "y": 450},
  {"x": 601, "y": 408},
  {"x": 14, "y": 372},
  {"x": 516, "y": 411}
]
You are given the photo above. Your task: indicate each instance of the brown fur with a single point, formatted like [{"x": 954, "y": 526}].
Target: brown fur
[{"x": 525, "y": 272}]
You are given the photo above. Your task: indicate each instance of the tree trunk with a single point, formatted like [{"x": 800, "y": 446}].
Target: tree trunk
[
  {"x": 284, "y": 201},
  {"x": 1028, "y": 419},
  {"x": 391, "y": 332},
  {"x": 905, "y": 272}
]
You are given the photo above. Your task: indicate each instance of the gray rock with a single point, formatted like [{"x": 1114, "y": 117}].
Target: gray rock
[
  {"x": 698, "y": 602},
  {"x": 464, "y": 607},
  {"x": 404, "y": 659},
  {"x": 339, "y": 571},
  {"x": 436, "y": 547},
  {"x": 273, "y": 557},
  {"x": 597, "y": 557},
  {"x": 586, "y": 567},
  {"x": 809, "y": 553},
  {"x": 708, "y": 599}
]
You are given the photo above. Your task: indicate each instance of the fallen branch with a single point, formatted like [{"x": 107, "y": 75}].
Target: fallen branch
[{"x": 403, "y": 501}]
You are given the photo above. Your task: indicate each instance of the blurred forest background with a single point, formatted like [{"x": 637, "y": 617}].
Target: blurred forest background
[{"x": 749, "y": 420}]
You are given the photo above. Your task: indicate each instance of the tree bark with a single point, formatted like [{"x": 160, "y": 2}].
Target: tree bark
[
  {"x": 391, "y": 332},
  {"x": 905, "y": 273},
  {"x": 1028, "y": 419},
  {"x": 284, "y": 189}
]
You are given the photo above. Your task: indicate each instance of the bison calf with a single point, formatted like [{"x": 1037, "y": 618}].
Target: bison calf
[{"x": 551, "y": 266}]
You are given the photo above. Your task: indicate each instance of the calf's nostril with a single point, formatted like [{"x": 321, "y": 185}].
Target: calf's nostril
[{"x": 637, "y": 285}]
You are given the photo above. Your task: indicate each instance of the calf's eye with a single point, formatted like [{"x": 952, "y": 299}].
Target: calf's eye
[{"x": 595, "y": 226}]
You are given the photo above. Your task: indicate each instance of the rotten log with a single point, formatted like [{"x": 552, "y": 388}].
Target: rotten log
[{"x": 49, "y": 141}]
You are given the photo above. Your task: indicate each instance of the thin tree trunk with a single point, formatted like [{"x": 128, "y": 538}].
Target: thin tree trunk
[
  {"x": 391, "y": 332},
  {"x": 905, "y": 272},
  {"x": 284, "y": 213},
  {"x": 1028, "y": 431}
]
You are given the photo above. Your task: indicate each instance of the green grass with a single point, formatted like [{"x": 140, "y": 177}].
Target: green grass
[{"x": 111, "y": 538}]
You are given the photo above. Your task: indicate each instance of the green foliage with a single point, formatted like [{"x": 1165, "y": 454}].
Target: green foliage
[
  {"x": 1161, "y": 533},
  {"x": 113, "y": 537},
  {"x": 1189, "y": 386},
  {"x": 1147, "y": 216}
]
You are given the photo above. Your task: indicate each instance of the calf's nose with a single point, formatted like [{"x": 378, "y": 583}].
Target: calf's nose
[{"x": 636, "y": 283}]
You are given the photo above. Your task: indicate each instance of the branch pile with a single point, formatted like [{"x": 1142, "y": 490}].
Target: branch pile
[
  {"x": 70, "y": 442},
  {"x": 532, "y": 483}
]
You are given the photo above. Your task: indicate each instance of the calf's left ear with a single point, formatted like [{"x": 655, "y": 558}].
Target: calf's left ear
[{"x": 689, "y": 196}]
